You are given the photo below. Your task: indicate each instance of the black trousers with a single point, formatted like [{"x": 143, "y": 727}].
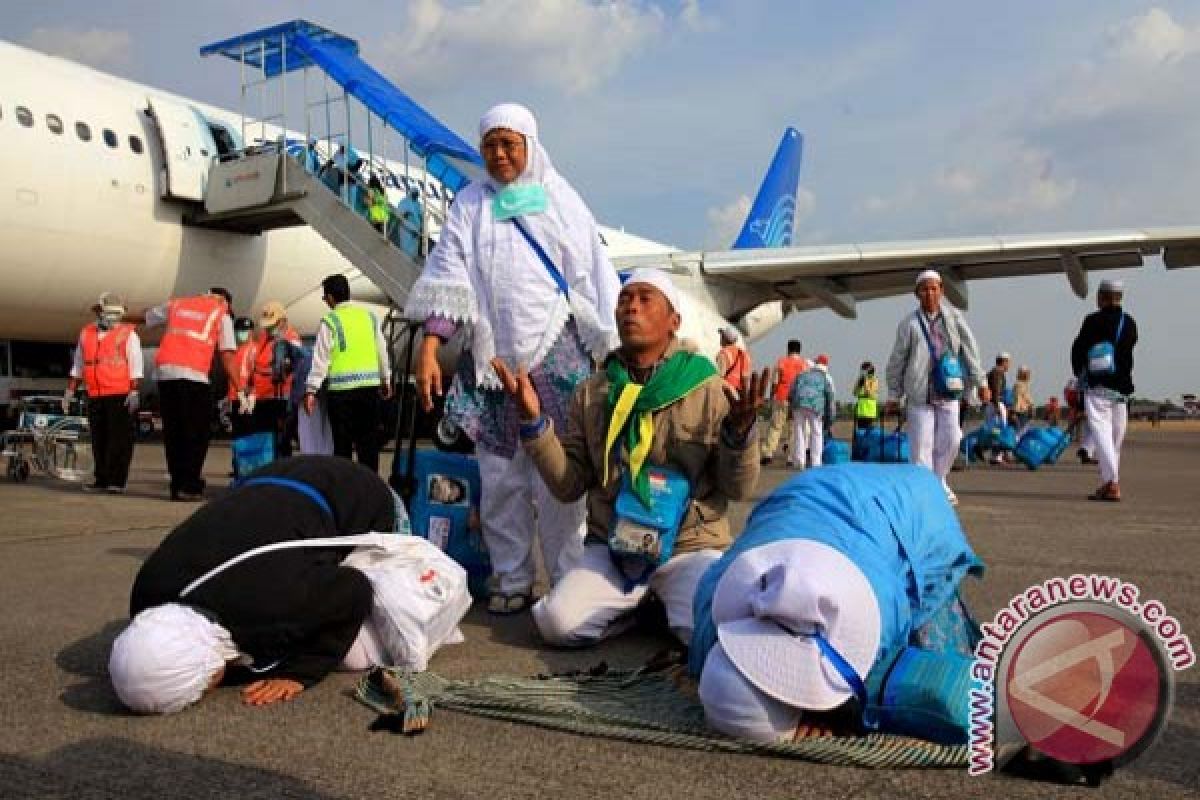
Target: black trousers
[
  {"x": 354, "y": 417},
  {"x": 111, "y": 425},
  {"x": 187, "y": 410},
  {"x": 270, "y": 416}
]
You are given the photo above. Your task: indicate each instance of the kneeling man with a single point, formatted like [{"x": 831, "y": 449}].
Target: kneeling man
[
  {"x": 278, "y": 621},
  {"x": 659, "y": 449}
]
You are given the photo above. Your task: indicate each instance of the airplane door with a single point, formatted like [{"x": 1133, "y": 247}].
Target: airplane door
[{"x": 188, "y": 149}]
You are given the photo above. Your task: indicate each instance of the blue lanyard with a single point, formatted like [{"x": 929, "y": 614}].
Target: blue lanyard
[
  {"x": 294, "y": 485},
  {"x": 546, "y": 262}
]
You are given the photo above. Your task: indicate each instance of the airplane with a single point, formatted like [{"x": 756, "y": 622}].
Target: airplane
[{"x": 88, "y": 204}]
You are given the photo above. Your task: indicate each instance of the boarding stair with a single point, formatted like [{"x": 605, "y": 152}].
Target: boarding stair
[{"x": 281, "y": 179}]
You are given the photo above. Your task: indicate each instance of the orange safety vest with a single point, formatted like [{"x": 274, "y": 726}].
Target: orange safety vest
[
  {"x": 264, "y": 384},
  {"x": 737, "y": 358},
  {"x": 243, "y": 358},
  {"x": 105, "y": 365},
  {"x": 789, "y": 367},
  {"x": 193, "y": 331}
]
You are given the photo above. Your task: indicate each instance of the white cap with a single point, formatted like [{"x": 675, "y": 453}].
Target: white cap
[
  {"x": 928, "y": 275},
  {"x": 167, "y": 657},
  {"x": 769, "y": 602},
  {"x": 111, "y": 303},
  {"x": 1003, "y": 356},
  {"x": 659, "y": 280},
  {"x": 1112, "y": 285},
  {"x": 733, "y": 706}
]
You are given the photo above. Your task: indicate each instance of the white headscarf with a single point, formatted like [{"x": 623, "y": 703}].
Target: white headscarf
[
  {"x": 461, "y": 277},
  {"x": 167, "y": 657}
]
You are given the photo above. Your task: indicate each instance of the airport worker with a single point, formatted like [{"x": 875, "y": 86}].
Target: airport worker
[
  {"x": 276, "y": 349},
  {"x": 733, "y": 360},
  {"x": 519, "y": 264},
  {"x": 934, "y": 362},
  {"x": 786, "y": 369},
  {"x": 108, "y": 362},
  {"x": 812, "y": 402},
  {"x": 352, "y": 354},
  {"x": 1102, "y": 355},
  {"x": 866, "y": 393},
  {"x": 379, "y": 212},
  {"x": 239, "y": 404},
  {"x": 654, "y": 432},
  {"x": 838, "y": 574},
  {"x": 277, "y": 622},
  {"x": 196, "y": 328}
]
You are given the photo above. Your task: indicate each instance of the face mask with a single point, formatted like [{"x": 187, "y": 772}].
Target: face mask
[
  {"x": 243, "y": 336},
  {"x": 106, "y": 321},
  {"x": 518, "y": 200}
]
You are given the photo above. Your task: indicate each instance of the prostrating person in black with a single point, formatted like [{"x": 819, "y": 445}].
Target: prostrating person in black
[{"x": 277, "y": 622}]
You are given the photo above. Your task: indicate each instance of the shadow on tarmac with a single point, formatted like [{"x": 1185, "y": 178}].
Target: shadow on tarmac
[
  {"x": 116, "y": 768},
  {"x": 88, "y": 658}
]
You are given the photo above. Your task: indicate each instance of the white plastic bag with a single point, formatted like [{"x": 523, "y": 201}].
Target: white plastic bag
[{"x": 420, "y": 597}]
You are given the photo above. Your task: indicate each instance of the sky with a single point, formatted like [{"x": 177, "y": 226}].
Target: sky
[{"x": 921, "y": 119}]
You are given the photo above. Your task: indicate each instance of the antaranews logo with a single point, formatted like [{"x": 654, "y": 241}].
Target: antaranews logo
[{"x": 1077, "y": 668}]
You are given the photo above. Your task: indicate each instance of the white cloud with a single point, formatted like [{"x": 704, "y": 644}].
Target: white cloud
[
  {"x": 1154, "y": 38},
  {"x": 694, "y": 19},
  {"x": 958, "y": 180},
  {"x": 95, "y": 47},
  {"x": 725, "y": 222},
  {"x": 572, "y": 45}
]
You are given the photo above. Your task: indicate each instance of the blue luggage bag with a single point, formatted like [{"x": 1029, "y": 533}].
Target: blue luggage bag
[
  {"x": 1039, "y": 444},
  {"x": 878, "y": 446},
  {"x": 252, "y": 452},
  {"x": 443, "y": 508},
  {"x": 835, "y": 452}
]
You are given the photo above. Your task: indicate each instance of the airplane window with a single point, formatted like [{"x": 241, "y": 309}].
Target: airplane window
[
  {"x": 24, "y": 116},
  {"x": 135, "y": 144},
  {"x": 110, "y": 138},
  {"x": 83, "y": 131},
  {"x": 54, "y": 123}
]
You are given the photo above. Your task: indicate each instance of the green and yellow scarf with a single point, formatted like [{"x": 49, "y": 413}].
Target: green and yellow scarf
[{"x": 631, "y": 407}]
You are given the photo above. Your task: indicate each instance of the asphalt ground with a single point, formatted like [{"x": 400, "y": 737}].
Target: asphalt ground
[{"x": 67, "y": 560}]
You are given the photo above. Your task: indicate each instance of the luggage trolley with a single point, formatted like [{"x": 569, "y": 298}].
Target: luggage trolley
[{"x": 48, "y": 441}]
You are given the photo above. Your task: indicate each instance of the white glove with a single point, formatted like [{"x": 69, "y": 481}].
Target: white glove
[
  {"x": 245, "y": 403},
  {"x": 132, "y": 402},
  {"x": 68, "y": 398}
]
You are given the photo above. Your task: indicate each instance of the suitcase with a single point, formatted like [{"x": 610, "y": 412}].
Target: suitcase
[
  {"x": 1039, "y": 444},
  {"x": 878, "y": 446},
  {"x": 835, "y": 452},
  {"x": 253, "y": 451},
  {"x": 444, "y": 509}
]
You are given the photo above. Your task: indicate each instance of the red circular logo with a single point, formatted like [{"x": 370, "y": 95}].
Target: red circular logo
[{"x": 1084, "y": 687}]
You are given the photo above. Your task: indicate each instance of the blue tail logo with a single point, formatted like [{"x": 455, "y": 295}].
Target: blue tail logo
[{"x": 773, "y": 214}]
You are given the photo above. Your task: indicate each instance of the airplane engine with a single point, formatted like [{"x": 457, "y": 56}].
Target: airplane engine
[{"x": 758, "y": 321}]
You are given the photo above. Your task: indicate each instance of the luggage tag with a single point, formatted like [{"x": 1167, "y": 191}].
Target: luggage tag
[{"x": 642, "y": 536}]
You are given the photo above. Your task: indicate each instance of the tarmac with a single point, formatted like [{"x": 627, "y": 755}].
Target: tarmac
[{"x": 67, "y": 561}]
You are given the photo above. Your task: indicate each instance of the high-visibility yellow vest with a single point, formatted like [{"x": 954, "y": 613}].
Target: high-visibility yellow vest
[
  {"x": 865, "y": 406},
  {"x": 353, "y": 356},
  {"x": 378, "y": 212}
]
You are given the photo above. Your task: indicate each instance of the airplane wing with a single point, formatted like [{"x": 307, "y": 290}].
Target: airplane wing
[{"x": 838, "y": 276}]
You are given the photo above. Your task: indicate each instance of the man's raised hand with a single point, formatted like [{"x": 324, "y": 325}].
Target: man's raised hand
[
  {"x": 744, "y": 405},
  {"x": 529, "y": 407}
]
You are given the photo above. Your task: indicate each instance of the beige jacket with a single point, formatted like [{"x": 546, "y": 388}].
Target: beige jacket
[{"x": 687, "y": 437}]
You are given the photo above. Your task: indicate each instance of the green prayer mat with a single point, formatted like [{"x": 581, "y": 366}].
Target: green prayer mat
[{"x": 655, "y": 706}]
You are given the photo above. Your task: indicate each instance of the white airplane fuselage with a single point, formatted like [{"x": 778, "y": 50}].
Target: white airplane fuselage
[{"x": 80, "y": 217}]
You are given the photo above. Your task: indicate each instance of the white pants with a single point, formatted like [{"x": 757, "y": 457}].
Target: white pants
[
  {"x": 808, "y": 433},
  {"x": 1106, "y": 426},
  {"x": 933, "y": 436},
  {"x": 515, "y": 504},
  {"x": 590, "y": 602}
]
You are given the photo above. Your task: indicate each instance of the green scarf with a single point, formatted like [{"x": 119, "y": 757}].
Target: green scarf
[{"x": 631, "y": 406}]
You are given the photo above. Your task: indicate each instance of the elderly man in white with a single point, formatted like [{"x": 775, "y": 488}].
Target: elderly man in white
[
  {"x": 922, "y": 338},
  {"x": 520, "y": 266}
]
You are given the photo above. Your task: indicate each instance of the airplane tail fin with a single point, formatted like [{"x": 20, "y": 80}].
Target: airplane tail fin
[{"x": 773, "y": 214}]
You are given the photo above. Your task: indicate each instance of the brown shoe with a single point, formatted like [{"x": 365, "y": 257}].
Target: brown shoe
[{"x": 1108, "y": 493}]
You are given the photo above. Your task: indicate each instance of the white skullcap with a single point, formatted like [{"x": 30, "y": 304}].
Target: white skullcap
[
  {"x": 1003, "y": 356},
  {"x": 1112, "y": 285},
  {"x": 513, "y": 116},
  {"x": 167, "y": 657},
  {"x": 736, "y": 707},
  {"x": 659, "y": 280},
  {"x": 928, "y": 275}
]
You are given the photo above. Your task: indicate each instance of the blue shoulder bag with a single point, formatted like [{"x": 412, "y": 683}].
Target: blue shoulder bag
[
  {"x": 947, "y": 372},
  {"x": 644, "y": 536},
  {"x": 1102, "y": 357}
]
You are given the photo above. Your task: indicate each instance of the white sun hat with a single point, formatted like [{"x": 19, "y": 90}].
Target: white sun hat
[{"x": 770, "y": 602}]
